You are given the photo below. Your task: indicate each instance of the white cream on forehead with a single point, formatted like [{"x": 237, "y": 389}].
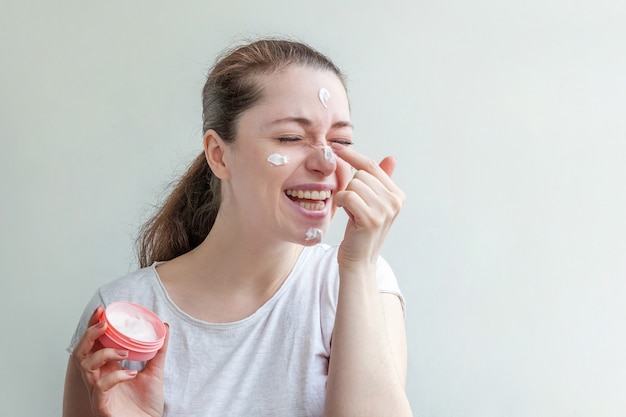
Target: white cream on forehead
[
  {"x": 133, "y": 326},
  {"x": 277, "y": 159},
  {"x": 314, "y": 234},
  {"x": 324, "y": 96},
  {"x": 329, "y": 155}
]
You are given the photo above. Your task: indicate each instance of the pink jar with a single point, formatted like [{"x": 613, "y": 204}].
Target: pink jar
[{"x": 133, "y": 328}]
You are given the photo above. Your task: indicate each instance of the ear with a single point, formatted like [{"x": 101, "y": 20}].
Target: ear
[{"x": 214, "y": 151}]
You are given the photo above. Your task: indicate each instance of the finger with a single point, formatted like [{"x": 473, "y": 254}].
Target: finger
[
  {"x": 89, "y": 339},
  {"x": 384, "y": 195},
  {"x": 365, "y": 205},
  {"x": 389, "y": 193},
  {"x": 101, "y": 357},
  {"x": 93, "y": 364},
  {"x": 380, "y": 190},
  {"x": 95, "y": 317},
  {"x": 357, "y": 160},
  {"x": 95, "y": 328},
  {"x": 110, "y": 380},
  {"x": 356, "y": 208},
  {"x": 388, "y": 165},
  {"x": 157, "y": 364},
  {"x": 362, "y": 163},
  {"x": 366, "y": 187}
]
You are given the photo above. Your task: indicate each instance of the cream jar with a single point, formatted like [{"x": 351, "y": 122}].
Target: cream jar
[{"x": 134, "y": 328}]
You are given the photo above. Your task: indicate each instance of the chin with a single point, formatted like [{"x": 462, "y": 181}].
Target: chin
[
  {"x": 309, "y": 243},
  {"x": 312, "y": 236}
]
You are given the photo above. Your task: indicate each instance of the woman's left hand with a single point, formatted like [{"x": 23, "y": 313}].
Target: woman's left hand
[{"x": 372, "y": 201}]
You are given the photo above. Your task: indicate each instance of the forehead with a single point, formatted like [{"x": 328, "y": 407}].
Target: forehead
[{"x": 297, "y": 88}]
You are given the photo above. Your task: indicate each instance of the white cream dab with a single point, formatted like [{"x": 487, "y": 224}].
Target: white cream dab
[
  {"x": 324, "y": 96},
  {"x": 314, "y": 234},
  {"x": 133, "y": 326},
  {"x": 277, "y": 159},
  {"x": 329, "y": 155}
]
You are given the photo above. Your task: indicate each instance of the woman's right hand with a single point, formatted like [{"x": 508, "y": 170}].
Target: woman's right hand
[{"x": 114, "y": 391}]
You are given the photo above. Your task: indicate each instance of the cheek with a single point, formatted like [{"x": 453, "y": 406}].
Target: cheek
[{"x": 285, "y": 157}]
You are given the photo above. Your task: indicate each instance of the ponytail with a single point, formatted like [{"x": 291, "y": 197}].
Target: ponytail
[{"x": 185, "y": 219}]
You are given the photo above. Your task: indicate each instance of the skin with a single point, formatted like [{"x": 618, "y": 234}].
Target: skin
[
  {"x": 226, "y": 278},
  {"x": 108, "y": 389}
]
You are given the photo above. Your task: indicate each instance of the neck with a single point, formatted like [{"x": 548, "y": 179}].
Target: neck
[
  {"x": 230, "y": 275},
  {"x": 238, "y": 259}
]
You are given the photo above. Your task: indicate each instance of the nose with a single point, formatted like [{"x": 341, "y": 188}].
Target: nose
[{"x": 322, "y": 159}]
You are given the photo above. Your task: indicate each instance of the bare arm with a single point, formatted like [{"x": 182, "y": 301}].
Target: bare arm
[
  {"x": 75, "y": 396},
  {"x": 396, "y": 332},
  {"x": 367, "y": 369}
]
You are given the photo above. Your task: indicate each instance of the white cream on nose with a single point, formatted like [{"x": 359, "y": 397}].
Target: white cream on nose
[{"x": 329, "y": 155}]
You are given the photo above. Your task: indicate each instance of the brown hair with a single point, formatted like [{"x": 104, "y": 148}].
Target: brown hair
[{"x": 187, "y": 215}]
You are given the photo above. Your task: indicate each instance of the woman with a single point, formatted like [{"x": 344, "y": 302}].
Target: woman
[{"x": 264, "y": 320}]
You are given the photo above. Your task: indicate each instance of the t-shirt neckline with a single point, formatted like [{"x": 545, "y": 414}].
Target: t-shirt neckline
[{"x": 251, "y": 319}]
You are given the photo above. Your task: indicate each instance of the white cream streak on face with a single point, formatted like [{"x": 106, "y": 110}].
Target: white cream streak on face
[
  {"x": 324, "y": 96},
  {"x": 277, "y": 159},
  {"x": 329, "y": 155},
  {"x": 314, "y": 234}
]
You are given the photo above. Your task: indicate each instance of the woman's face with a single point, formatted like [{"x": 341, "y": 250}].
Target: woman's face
[{"x": 282, "y": 175}]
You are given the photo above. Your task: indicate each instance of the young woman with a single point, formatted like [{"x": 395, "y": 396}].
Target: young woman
[{"x": 263, "y": 318}]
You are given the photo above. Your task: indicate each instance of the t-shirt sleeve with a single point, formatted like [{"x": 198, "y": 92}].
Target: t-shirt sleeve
[
  {"x": 387, "y": 282},
  {"x": 95, "y": 301}
]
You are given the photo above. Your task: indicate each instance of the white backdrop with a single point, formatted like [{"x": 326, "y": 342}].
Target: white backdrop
[{"x": 508, "y": 119}]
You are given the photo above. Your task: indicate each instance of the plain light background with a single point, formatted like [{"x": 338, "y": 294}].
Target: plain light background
[{"x": 509, "y": 123}]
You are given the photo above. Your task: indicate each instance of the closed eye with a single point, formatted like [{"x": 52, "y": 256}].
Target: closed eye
[
  {"x": 344, "y": 142},
  {"x": 289, "y": 139}
]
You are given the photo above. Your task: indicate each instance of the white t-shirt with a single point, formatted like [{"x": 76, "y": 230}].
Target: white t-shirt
[{"x": 272, "y": 363}]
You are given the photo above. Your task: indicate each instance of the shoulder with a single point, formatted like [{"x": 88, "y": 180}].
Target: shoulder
[
  {"x": 139, "y": 286},
  {"x": 321, "y": 253},
  {"x": 321, "y": 260},
  {"x": 316, "y": 269},
  {"x": 325, "y": 256},
  {"x": 319, "y": 264}
]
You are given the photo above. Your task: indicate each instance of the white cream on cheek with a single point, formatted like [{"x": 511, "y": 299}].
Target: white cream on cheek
[
  {"x": 133, "y": 326},
  {"x": 277, "y": 159}
]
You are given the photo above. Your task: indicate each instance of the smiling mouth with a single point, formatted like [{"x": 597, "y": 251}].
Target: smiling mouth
[{"x": 309, "y": 200}]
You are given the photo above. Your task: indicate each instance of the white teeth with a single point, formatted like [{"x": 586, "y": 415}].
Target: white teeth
[
  {"x": 309, "y": 195},
  {"x": 311, "y": 206}
]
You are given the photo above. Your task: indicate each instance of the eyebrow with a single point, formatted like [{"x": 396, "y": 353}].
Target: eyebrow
[{"x": 303, "y": 121}]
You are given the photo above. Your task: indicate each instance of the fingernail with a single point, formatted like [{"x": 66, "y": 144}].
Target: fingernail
[
  {"x": 131, "y": 372},
  {"x": 121, "y": 353},
  {"x": 100, "y": 324}
]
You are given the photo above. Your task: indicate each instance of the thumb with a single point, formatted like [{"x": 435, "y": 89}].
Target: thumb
[
  {"x": 388, "y": 164},
  {"x": 158, "y": 362}
]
